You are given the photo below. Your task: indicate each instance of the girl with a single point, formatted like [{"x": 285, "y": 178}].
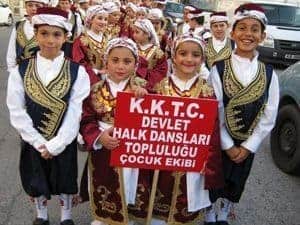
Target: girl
[
  {"x": 112, "y": 189},
  {"x": 113, "y": 28},
  {"x": 44, "y": 98},
  {"x": 128, "y": 20},
  {"x": 196, "y": 24},
  {"x": 89, "y": 47},
  {"x": 249, "y": 92},
  {"x": 218, "y": 46},
  {"x": 153, "y": 63},
  {"x": 22, "y": 43},
  {"x": 190, "y": 189}
]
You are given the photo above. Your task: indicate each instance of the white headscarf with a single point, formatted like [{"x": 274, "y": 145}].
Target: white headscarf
[
  {"x": 187, "y": 37},
  {"x": 147, "y": 26},
  {"x": 93, "y": 11}
]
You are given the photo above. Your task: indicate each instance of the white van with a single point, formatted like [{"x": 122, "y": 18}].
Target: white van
[{"x": 282, "y": 44}]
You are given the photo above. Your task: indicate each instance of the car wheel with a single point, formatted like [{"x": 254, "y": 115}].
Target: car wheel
[
  {"x": 285, "y": 140},
  {"x": 10, "y": 20}
]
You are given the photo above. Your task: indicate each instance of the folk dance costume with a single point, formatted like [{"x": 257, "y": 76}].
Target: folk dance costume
[
  {"x": 89, "y": 47},
  {"x": 128, "y": 20},
  {"x": 44, "y": 98},
  {"x": 217, "y": 50},
  {"x": 153, "y": 64},
  {"x": 77, "y": 28},
  {"x": 113, "y": 29},
  {"x": 181, "y": 196},
  {"x": 111, "y": 189},
  {"x": 250, "y": 94},
  {"x": 184, "y": 27},
  {"x": 196, "y": 24}
]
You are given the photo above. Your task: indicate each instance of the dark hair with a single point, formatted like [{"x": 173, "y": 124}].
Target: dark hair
[
  {"x": 199, "y": 20},
  {"x": 263, "y": 27}
]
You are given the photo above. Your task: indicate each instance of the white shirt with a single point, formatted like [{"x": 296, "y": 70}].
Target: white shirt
[
  {"x": 198, "y": 197},
  {"x": 245, "y": 71},
  {"x": 185, "y": 28},
  {"x": 47, "y": 70},
  {"x": 79, "y": 25},
  {"x": 11, "y": 56},
  {"x": 218, "y": 44},
  {"x": 96, "y": 37}
]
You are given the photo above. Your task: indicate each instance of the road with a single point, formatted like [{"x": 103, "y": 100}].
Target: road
[{"x": 271, "y": 197}]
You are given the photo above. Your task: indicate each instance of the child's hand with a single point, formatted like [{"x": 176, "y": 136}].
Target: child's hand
[
  {"x": 139, "y": 92},
  {"x": 45, "y": 153},
  {"x": 243, "y": 155},
  {"x": 233, "y": 152},
  {"x": 107, "y": 141}
]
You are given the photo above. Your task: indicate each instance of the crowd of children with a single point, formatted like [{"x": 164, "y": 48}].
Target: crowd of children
[{"x": 67, "y": 64}]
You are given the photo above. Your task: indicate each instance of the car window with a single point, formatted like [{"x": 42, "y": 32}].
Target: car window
[
  {"x": 174, "y": 7},
  {"x": 282, "y": 15}
]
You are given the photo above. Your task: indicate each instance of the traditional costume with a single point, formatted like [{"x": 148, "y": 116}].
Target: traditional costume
[
  {"x": 128, "y": 20},
  {"x": 184, "y": 26},
  {"x": 22, "y": 43},
  {"x": 198, "y": 29},
  {"x": 181, "y": 197},
  {"x": 111, "y": 189},
  {"x": 249, "y": 93},
  {"x": 153, "y": 65},
  {"x": 217, "y": 50},
  {"x": 44, "y": 98},
  {"x": 113, "y": 29},
  {"x": 89, "y": 47}
]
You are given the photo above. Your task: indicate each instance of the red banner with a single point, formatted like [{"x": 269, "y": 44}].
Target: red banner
[{"x": 161, "y": 132}]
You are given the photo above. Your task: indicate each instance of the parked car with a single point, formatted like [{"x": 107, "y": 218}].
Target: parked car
[
  {"x": 6, "y": 15},
  {"x": 285, "y": 137},
  {"x": 174, "y": 10}
]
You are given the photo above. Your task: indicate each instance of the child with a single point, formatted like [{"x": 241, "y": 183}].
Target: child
[
  {"x": 142, "y": 12},
  {"x": 196, "y": 24},
  {"x": 128, "y": 20},
  {"x": 114, "y": 14},
  {"x": 191, "y": 188},
  {"x": 153, "y": 64},
  {"x": 77, "y": 25},
  {"x": 44, "y": 98},
  {"x": 88, "y": 48},
  {"x": 218, "y": 47},
  {"x": 22, "y": 43},
  {"x": 184, "y": 27},
  {"x": 109, "y": 193},
  {"x": 250, "y": 93}
]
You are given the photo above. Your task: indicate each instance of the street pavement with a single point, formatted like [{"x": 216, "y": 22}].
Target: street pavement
[{"x": 270, "y": 198}]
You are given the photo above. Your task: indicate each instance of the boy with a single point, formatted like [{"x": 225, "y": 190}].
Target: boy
[
  {"x": 218, "y": 47},
  {"x": 22, "y": 43},
  {"x": 44, "y": 98},
  {"x": 248, "y": 93}
]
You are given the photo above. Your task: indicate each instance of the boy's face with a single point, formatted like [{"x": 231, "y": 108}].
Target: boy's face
[
  {"x": 187, "y": 60},
  {"x": 120, "y": 64},
  {"x": 31, "y": 7},
  {"x": 64, "y": 5},
  {"x": 218, "y": 30},
  {"x": 156, "y": 24},
  {"x": 247, "y": 34},
  {"x": 84, "y": 5},
  {"x": 50, "y": 40}
]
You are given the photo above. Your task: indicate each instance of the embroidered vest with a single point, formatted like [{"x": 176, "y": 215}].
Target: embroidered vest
[
  {"x": 152, "y": 55},
  {"x": 103, "y": 101},
  {"x": 47, "y": 105},
  {"x": 213, "y": 56},
  {"x": 95, "y": 50},
  {"x": 24, "y": 48},
  {"x": 199, "y": 88},
  {"x": 243, "y": 105}
]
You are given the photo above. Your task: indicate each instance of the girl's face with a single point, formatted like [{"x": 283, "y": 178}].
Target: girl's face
[
  {"x": 157, "y": 25},
  {"x": 187, "y": 60},
  {"x": 114, "y": 17},
  {"x": 139, "y": 36},
  {"x": 64, "y": 5},
  {"x": 31, "y": 8},
  {"x": 99, "y": 23},
  {"x": 130, "y": 13},
  {"x": 140, "y": 15},
  {"x": 50, "y": 40},
  {"x": 218, "y": 30},
  {"x": 247, "y": 34},
  {"x": 120, "y": 64}
]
